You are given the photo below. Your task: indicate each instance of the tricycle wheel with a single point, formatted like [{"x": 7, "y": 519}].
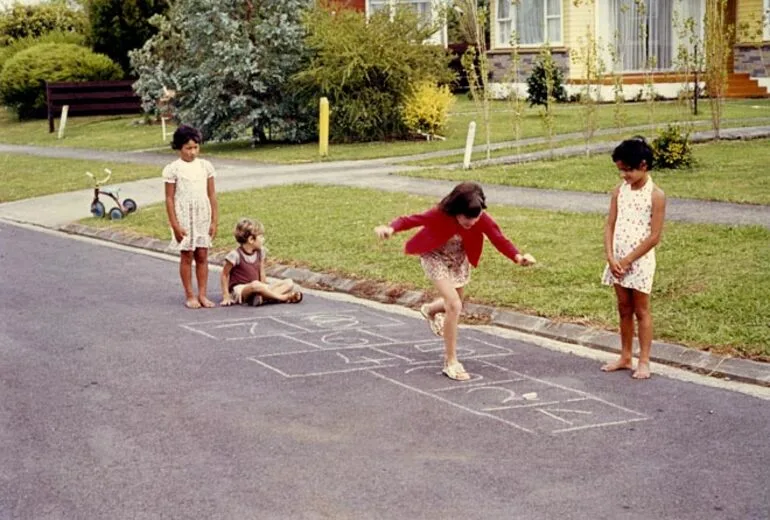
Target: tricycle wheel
[
  {"x": 97, "y": 209},
  {"x": 129, "y": 205},
  {"x": 116, "y": 213}
]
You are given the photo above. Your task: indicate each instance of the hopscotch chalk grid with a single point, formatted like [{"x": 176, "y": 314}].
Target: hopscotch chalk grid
[{"x": 320, "y": 344}]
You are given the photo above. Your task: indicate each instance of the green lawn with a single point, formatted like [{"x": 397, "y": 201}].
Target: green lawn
[
  {"x": 734, "y": 171},
  {"x": 26, "y": 176},
  {"x": 97, "y": 132},
  {"x": 124, "y": 133},
  {"x": 711, "y": 288}
]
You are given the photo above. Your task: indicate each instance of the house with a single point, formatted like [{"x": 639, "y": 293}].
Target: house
[
  {"x": 645, "y": 34},
  {"x": 429, "y": 11}
]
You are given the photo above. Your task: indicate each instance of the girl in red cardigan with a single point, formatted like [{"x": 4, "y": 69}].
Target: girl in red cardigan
[{"x": 451, "y": 240}]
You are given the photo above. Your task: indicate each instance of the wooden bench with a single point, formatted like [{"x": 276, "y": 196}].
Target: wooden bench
[{"x": 91, "y": 98}]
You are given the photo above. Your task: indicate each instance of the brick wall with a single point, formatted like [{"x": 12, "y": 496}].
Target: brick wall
[
  {"x": 748, "y": 59},
  {"x": 500, "y": 63}
]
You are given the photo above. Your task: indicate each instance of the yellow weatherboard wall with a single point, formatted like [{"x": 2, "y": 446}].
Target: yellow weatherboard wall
[
  {"x": 747, "y": 12},
  {"x": 577, "y": 21}
]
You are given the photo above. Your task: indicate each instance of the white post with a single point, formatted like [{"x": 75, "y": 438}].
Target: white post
[
  {"x": 63, "y": 122},
  {"x": 469, "y": 145},
  {"x": 163, "y": 127}
]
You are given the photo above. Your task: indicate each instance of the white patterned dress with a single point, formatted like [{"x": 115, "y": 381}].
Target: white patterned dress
[
  {"x": 448, "y": 262},
  {"x": 632, "y": 226},
  {"x": 191, "y": 201}
]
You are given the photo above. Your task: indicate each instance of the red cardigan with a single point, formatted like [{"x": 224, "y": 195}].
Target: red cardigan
[{"x": 438, "y": 228}]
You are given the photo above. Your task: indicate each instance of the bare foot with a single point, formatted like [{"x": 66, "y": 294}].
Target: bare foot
[
  {"x": 205, "y": 302},
  {"x": 642, "y": 371},
  {"x": 192, "y": 303},
  {"x": 620, "y": 364}
]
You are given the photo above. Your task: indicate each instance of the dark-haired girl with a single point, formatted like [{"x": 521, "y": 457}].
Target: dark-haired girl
[
  {"x": 191, "y": 205},
  {"x": 451, "y": 240}
]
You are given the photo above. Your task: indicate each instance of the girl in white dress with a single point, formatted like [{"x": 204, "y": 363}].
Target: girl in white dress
[
  {"x": 633, "y": 229},
  {"x": 191, "y": 205}
]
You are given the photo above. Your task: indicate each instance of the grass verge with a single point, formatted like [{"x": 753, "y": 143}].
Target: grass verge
[
  {"x": 26, "y": 176},
  {"x": 696, "y": 301},
  {"x": 725, "y": 171}
]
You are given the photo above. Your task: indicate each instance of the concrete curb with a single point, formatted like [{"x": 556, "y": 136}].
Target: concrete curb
[{"x": 706, "y": 363}]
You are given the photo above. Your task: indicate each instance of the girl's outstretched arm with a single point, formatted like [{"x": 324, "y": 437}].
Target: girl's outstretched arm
[
  {"x": 406, "y": 222},
  {"x": 609, "y": 235},
  {"x": 656, "y": 229},
  {"x": 501, "y": 242}
]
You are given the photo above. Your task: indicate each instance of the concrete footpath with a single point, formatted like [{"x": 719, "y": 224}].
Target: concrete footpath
[{"x": 60, "y": 211}]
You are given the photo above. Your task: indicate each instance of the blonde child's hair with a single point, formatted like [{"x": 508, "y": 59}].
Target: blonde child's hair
[{"x": 246, "y": 228}]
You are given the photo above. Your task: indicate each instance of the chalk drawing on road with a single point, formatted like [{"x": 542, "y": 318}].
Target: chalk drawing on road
[
  {"x": 258, "y": 327},
  {"x": 321, "y": 344}
]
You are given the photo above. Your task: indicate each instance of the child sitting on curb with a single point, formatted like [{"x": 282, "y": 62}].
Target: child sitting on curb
[{"x": 243, "y": 276}]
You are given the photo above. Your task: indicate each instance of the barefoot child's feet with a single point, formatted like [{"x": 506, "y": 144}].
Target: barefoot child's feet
[
  {"x": 642, "y": 371},
  {"x": 205, "y": 302},
  {"x": 620, "y": 364},
  {"x": 192, "y": 303}
]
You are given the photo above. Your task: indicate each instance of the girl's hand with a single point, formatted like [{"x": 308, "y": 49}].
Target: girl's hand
[
  {"x": 227, "y": 301},
  {"x": 616, "y": 268},
  {"x": 383, "y": 232},
  {"x": 179, "y": 234},
  {"x": 525, "y": 260},
  {"x": 213, "y": 230}
]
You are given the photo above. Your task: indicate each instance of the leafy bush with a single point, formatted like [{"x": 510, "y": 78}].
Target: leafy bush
[
  {"x": 25, "y": 43},
  {"x": 120, "y": 26},
  {"x": 230, "y": 64},
  {"x": 426, "y": 108},
  {"x": 672, "y": 148},
  {"x": 367, "y": 68},
  {"x": 537, "y": 87},
  {"x": 24, "y": 21},
  {"x": 22, "y": 81}
]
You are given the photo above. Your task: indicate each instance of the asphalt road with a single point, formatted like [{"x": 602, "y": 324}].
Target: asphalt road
[{"x": 118, "y": 403}]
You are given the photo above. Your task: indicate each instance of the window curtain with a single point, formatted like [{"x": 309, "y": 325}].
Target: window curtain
[
  {"x": 530, "y": 17},
  {"x": 645, "y": 33}
]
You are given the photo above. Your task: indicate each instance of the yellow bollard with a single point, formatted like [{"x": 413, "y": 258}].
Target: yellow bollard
[{"x": 323, "y": 128}]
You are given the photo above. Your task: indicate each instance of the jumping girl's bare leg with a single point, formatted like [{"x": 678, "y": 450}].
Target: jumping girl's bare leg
[
  {"x": 453, "y": 306},
  {"x": 201, "y": 255},
  {"x": 626, "y": 313},
  {"x": 185, "y": 273},
  {"x": 644, "y": 320}
]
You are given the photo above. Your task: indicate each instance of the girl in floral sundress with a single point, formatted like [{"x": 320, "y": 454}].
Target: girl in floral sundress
[
  {"x": 449, "y": 242},
  {"x": 633, "y": 229},
  {"x": 191, "y": 205}
]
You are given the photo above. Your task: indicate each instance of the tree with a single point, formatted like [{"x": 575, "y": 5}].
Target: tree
[
  {"x": 32, "y": 21},
  {"x": 229, "y": 63},
  {"x": 119, "y": 26}
]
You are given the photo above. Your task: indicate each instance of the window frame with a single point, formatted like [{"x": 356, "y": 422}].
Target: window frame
[
  {"x": 438, "y": 38},
  {"x": 513, "y": 9}
]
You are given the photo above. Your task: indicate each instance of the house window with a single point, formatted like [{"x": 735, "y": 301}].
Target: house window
[
  {"x": 535, "y": 21},
  {"x": 648, "y": 31},
  {"x": 426, "y": 10}
]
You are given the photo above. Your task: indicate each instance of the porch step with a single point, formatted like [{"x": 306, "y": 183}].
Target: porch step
[{"x": 740, "y": 85}]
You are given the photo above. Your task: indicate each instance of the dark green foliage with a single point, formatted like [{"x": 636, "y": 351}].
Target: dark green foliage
[
  {"x": 672, "y": 148},
  {"x": 119, "y": 26},
  {"x": 23, "y": 21},
  {"x": 367, "y": 69},
  {"x": 537, "y": 87},
  {"x": 22, "y": 81},
  {"x": 19, "y": 45}
]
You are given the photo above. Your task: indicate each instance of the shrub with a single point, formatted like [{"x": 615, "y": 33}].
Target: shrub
[
  {"x": 537, "y": 89},
  {"x": 120, "y": 26},
  {"x": 426, "y": 109},
  {"x": 368, "y": 68},
  {"x": 25, "y": 21},
  {"x": 19, "y": 45},
  {"x": 22, "y": 81},
  {"x": 672, "y": 148}
]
